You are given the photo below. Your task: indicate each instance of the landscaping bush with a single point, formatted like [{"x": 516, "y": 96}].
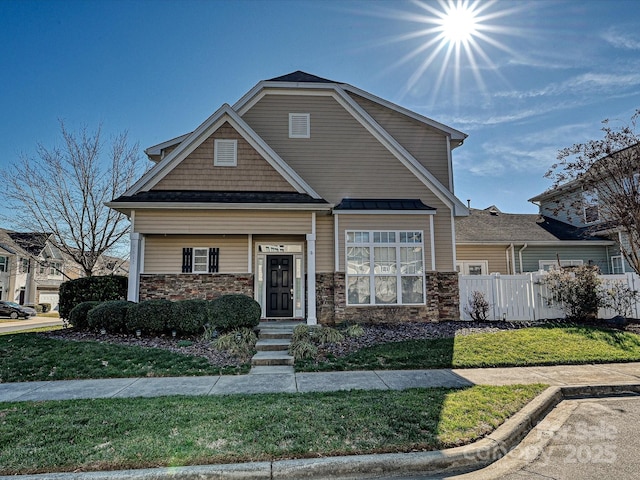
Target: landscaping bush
[
  {"x": 240, "y": 342},
  {"x": 150, "y": 316},
  {"x": 103, "y": 288},
  {"x": 189, "y": 316},
  {"x": 234, "y": 311},
  {"x": 46, "y": 307},
  {"x": 78, "y": 314},
  {"x": 576, "y": 291},
  {"x": 109, "y": 315}
]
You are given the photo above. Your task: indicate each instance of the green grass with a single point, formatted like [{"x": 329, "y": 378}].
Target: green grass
[
  {"x": 527, "y": 346},
  {"x": 29, "y": 357},
  {"x": 107, "y": 434}
]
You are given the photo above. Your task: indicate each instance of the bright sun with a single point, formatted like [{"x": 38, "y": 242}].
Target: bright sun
[{"x": 458, "y": 23}]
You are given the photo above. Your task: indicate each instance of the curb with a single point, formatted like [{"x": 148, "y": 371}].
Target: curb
[{"x": 452, "y": 460}]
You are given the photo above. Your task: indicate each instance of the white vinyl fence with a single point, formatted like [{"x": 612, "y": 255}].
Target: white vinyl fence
[{"x": 525, "y": 297}]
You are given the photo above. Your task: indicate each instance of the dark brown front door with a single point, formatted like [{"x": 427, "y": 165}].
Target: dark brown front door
[{"x": 280, "y": 286}]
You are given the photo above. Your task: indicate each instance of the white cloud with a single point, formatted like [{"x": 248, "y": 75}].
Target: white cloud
[{"x": 620, "y": 39}]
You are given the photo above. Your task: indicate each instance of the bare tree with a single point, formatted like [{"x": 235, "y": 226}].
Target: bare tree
[
  {"x": 604, "y": 174},
  {"x": 63, "y": 191}
]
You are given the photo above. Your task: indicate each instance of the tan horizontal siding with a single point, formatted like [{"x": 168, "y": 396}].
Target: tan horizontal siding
[
  {"x": 163, "y": 254},
  {"x": 341, "y": 159},
  {"x": 325, "y": 240},
  {"x": 426, "y": 144},
  {"x": 494, "y": 255},
  {"x": 212, "y": 222},
  {"x": 197, "y": 172}
]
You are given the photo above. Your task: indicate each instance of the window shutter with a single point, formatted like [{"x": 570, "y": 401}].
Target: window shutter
[
  {"x": 214, "y": 255},
  {"x": 187, "y": 255}
]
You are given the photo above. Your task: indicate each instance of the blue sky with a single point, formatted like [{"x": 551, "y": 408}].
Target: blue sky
[{"x": 540, "y": 75}]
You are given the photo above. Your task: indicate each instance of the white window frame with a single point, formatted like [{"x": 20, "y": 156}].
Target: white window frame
[
  {"x": 372, "y": 274},
  {"x": 225, "y": 153},
  {"x": 55, "y": 269},
  {"x": 563, "y": 263},
  {"x": 4, "y": 263},
  {"x": 193, "y": 260},
  {"x": 617, "y": 258},
  {"x": 464, "y": 266},
  {"x": 297, "y": 120}
]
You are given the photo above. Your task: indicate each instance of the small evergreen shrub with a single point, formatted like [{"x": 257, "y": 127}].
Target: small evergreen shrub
[
  {"x": 109, "y": 315},
  {"x": 189, "y": 316},
  {"x": 46, "y": 307},
  {"x": 324, "y": 335},
  {"x": 301, "y": 332},
  {"x": 234, "y": 311},
  {"x": 99, "y": 288},
  {"x": 354, "y": 330},
  {"x": 149, "y": 316},
  {"x": 79, "y": 313}
]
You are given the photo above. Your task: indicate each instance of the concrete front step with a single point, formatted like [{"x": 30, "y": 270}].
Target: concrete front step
[
  {"x": 272, "y": 370},
  {"x": 269, "y": 345},
  {"x": 279, "y": 357},
  {"x": 275, "y": 334}
]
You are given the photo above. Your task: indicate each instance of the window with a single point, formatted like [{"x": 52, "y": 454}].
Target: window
[
  {"x": 590, "y": 206},
  {"x": 24, "y": 265},
  {"x": 4, "y": 264},
  {"x": 385, "y": 268},
  {"x": 617, "y": 266},
  {"x": 473, "y": 267},
  {"x": 200, "y": 260},
  {"x": 55, "y": 269},
  {"x": 547, "y": 265},
  {"x": 225, "y": 153},
  {"x": 299, "y": 125}
]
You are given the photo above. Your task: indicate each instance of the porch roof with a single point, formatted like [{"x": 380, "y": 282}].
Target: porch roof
[
  {"x": 200, "y": 196},
  {"x": 382, "y": 204}
]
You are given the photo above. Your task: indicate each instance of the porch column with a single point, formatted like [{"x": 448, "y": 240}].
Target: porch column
[
  {"x": 311, "y": 279},
  {"x": 135, "y": 260}
]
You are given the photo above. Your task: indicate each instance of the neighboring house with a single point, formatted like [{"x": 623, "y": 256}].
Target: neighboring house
[
  {"x": 582, "y": 202},
  {"x": 490, "y": 241},
  {"x": 31, "y": 268},
  {"x": 320, "y": 200}
]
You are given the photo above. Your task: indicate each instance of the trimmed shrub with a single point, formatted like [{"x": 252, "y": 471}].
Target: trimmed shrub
[
  {"x": 109, "y": 315},
  {"x": 46, "y": 307},
  {"x": 234, "y": 311},
  {"x": 78, "y": 314},
  {"x": 101, "y": 289},
  {"x": 189, "y": 316},
  {"x": 150, "y": 316}
]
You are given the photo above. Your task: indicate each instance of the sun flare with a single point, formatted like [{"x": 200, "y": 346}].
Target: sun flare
[{"x": 458, "y": 23}]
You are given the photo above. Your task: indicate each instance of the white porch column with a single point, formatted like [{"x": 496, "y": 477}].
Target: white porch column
[
  {"x": 311, "y": 273},
  {"x": 135, "y": 260}
]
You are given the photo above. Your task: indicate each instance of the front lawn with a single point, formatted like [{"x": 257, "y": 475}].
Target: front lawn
[
  {"x": 107, "y": 434},
  {"x": 26, "y": 357},
  {"x": 508, "y": 348}
]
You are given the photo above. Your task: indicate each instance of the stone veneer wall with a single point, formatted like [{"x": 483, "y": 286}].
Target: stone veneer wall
[
  {"x": 181, "y": 286},
  {"x": 443, "y": 300}
]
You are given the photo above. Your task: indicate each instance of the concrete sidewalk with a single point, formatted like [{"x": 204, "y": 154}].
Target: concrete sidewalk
[{"x": 601, "y": 374}]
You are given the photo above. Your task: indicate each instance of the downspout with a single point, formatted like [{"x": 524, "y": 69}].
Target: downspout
[
  {"x": 520, "y": 255},
  {"x": 506, "y": 252},
  {"x": 513, "y": 258}
]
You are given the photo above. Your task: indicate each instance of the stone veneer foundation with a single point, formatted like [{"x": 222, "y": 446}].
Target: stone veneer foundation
[
  {"x": 182, "y": 286},
  {"x": 443, "y": 297},
  {"x": 443, "y": 300}
]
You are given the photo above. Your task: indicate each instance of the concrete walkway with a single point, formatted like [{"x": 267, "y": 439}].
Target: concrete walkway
[
  {"x": 603, "y": 374},
  {"x": 7, "y": 325}
]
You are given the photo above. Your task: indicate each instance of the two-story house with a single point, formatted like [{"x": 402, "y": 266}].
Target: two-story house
[
  {"x": 318, "y": 199},
  {"x": 603, "y": 201},
  {"x": 31, "y": 268}
]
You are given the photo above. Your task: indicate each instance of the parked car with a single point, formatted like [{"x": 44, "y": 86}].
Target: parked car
[{"x": 14, "y": 310}]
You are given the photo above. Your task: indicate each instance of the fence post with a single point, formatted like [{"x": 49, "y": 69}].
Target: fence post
[{"x": 495, "y": 285}]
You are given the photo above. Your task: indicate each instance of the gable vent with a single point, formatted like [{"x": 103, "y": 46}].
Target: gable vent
[
  {"x": 299, "y": 125},
  {"x": 225, "y": 153}
]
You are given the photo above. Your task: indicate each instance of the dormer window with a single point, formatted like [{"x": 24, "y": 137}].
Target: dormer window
[
  {"x": 299, "y": 125},
  {"x": 590, "y": 206},
  {"x": 225, "y": 153}
]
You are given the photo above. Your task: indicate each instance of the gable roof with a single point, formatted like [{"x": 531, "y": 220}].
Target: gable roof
[
  {"x": 205, "y": 130},
  {"x": 300, "y": 77},
  {"x": 23, "y": 243},
  {"x": 490, "y": 226},
  {"x": 339, "y": 91}
]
